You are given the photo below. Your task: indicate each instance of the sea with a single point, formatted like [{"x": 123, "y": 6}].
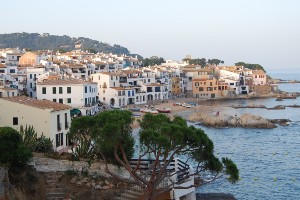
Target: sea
[{"x": 268, "y": 159}]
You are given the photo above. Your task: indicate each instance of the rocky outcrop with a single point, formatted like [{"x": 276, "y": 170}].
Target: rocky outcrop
[
  {"x": 246, "y": 121},
  {"x": 214, "y": 196}
]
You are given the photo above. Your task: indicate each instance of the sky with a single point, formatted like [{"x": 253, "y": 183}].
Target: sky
[{"x": 266, "y": 32}]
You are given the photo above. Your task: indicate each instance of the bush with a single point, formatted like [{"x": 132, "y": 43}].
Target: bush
[
  {"x": 43, "y": 145},
  {"x": 29, "y": 136},
  {"x": 13, "y": 151},
  {"x": 71, "y": 172}
]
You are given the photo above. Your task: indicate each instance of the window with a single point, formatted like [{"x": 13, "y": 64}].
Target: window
[
  {"x": 15, "y": 121},
  {"x": 53, "y": 90},
  {"x": 54, "y": 100},
  {"x": 58, "y": 123},
  {"x": 90, "y": 89},
  {"x": 60, "y": 101},
  {"x": 197, "y": 84},
  {"x": 85, "y": 89},
  {"x": 69, "y": 100},
  {"x": 30, "y": 85},
  {"x": 60, "y": 90},
  {"x": 103, "y": 91},
  {"x": 201, "y": 89},
  {"x": 43, "y": 90},
  {"x": 69, "y": 90},
  {"x": 66, "y": 121},
  {"x": 59, "y": 139},
  {"x": 12, "y": 71},
  {"x": 30, "y": 76}
]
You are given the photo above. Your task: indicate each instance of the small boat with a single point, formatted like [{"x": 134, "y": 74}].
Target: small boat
[
  {"x": 149, "y": 111},
  {"x": 164, "y": 110},
  {"x": 134, "y": 109},
  {"x": 183, "y": 105},
  {"x": 188, "y": 106}
]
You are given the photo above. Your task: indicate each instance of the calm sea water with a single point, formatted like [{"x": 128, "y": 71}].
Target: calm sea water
[{"x": 268, "y": 160}]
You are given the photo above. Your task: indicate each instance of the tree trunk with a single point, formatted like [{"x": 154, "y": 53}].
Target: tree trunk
[{"x": 149, "y": 193}]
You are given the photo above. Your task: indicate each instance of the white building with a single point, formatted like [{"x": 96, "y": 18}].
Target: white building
[
  {"x": 48, "y": 118},
  {"x": 32, "y": 76},
  {"x": 77, "y": 93}
]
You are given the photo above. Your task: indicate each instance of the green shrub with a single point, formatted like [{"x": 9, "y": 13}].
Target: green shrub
[
  {"x": 43, "y": 145},
  {"x": 71, "y": 172},
  {"x": 29, "y": 136},
  {"x": 13, "y": 151},
  {"x": 84, "y": 149}
]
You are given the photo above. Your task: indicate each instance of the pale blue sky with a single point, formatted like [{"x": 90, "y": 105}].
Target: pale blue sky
[{"x": 255, "y": 31}]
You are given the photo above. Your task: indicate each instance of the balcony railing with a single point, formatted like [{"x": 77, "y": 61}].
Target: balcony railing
[{"x": 90, "y": 104}]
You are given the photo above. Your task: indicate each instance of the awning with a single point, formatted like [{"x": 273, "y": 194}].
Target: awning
[{"x": 75, "y": 111}]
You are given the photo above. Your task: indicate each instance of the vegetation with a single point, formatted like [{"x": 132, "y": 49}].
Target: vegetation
[
  {"x": 161, "y": 139},
  {"x": 165, "y": 139},
  {"x": 203, "y": 62},
  {"x": 35, "y": 144},
  {"x": 154, "y": 60},
  {"x": 43, "y": 145},
  {"x": 99, "y": 128},
  {"x": 13, "y": 151},
  {"x": 250, "y": 66},
  {"x": 36, "y": 41}
]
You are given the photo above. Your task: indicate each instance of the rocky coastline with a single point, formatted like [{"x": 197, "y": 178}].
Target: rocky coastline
[{"x": 244, "y": 121}]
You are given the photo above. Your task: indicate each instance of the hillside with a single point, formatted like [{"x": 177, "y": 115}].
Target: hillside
[
  {"x": 250, "y": 66},
  {"x": 36, "y": 41}
]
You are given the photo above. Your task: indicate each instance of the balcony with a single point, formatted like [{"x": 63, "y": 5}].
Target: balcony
[
  {"x": 59, "y": 126},
  {"x": 90, "y": 104}
]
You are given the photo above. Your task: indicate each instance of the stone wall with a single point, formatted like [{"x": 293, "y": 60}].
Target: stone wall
[
  {"x": 3, "y": 180},
  {"x": 52, "y": 165}
]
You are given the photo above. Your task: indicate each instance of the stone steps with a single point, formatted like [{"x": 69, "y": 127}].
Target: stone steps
[{"x": 54, "y": 189}]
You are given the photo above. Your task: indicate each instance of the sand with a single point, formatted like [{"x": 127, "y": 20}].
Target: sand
[{"x": 169, "y": 104}]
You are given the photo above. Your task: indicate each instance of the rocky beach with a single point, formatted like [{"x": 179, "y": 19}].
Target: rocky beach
[{"x": 213, "y": 116}]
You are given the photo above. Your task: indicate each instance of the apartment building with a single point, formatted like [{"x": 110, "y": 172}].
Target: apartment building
[
  {"x": 47, "y": 117},
  {"x": 76, "y": 93}
]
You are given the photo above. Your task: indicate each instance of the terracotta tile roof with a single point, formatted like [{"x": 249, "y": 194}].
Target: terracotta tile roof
[
  {"x": 41, "y": 104},
  {"x": 131, "y": 71},
  {"x": 110, "y": 73},
  {"x": 66, "y": 82}
]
